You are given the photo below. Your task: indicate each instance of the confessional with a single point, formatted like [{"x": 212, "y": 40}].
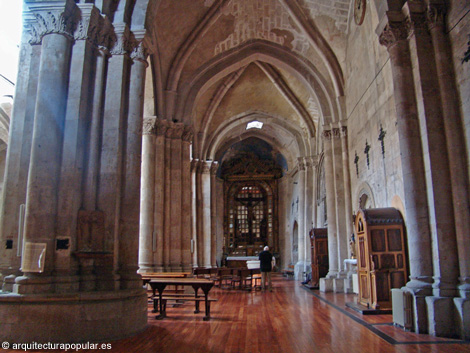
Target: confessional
[
  {"x": 382, "y": 256},
  {"x": 319, "y": 255}
]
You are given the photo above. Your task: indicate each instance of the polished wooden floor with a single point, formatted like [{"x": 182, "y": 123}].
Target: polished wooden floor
[{"x": 289, "y": 319}]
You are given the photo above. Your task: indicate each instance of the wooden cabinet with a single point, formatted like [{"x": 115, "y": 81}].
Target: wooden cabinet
[
  {"x": 382, "y": 255},
  {"x": 319, "y": 248}
]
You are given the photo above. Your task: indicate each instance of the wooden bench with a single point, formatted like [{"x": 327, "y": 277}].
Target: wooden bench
[{"x": 184, "y": 298}]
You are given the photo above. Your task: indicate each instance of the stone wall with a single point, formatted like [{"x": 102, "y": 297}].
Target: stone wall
[
  {"x": 458, "y": 27},
  {"x": 370, "y": 106}
]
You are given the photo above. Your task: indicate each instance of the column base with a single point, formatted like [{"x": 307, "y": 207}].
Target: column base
[
  {"x": 463, "y": 317},
  {"x": 441, "y": 321},
  {"x": 72, "y": 318},
  {"x": 335, "y": 285},
  {"x": 420, "y": 315},
  {"x": 299, "y": 271}
]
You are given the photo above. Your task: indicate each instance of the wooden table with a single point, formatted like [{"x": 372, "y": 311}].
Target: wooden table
[{"x": 204, "y": 284}]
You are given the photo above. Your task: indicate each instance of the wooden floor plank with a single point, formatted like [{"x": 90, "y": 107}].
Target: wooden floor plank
[{"x": 289, "y": 319}]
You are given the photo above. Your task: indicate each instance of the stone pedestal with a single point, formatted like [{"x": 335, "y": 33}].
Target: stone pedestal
[
  {"x": 440, "y": 316},
  {"x": 462, "y": 306},
  {"x": 83, "y": 317}
]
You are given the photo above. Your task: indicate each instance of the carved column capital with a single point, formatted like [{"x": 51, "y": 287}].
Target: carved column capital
[
  {"x": 194, "y": 165},
  {"x": 161, "y": 126},
  {"x": 214, "y": 167},
  {"x": 301, "y": 163},
  {"x": 311, "y": 161},
  {"x": 435, "y": 16},
  {"x": 188, "y": 134},
  {"x": 88, "y": 23},
  {"x": 140, "y": 53},
  {"x": 416, "y": 23},
  {"x": 393, "y": 32},
  {"x": 327, "y": 135},
  {"x": 148, "y": 127},
  {"x": 175, "y": 130},
  {"x": 51, "y": 19},
  {"x": 120, "y": 40},
  {"x": 344, "y": 131},
  {"x": 204, "y": 167}
]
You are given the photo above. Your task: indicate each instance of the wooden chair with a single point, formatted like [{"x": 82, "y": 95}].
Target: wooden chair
[{"x": 225, "y": 278}]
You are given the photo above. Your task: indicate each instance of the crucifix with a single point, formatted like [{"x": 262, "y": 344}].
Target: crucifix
[
  {"x": 366, "y": 151},
  {"x": 250, "y": 203},
  {"x": 356, "y": 160},
  {"x": 381, "y": 139}
]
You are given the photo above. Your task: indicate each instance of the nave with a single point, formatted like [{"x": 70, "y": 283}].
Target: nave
[{"x": 289, "y": 319}]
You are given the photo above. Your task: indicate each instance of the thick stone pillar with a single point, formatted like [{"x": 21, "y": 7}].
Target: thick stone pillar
[
  {"x": 330, "y": 205},
  {"x": 130, "y": 200},
  {"x": 77, "y": 120},
  {"x": 147, "y": 197},
  {"x": 213, "y": 200},
  {"x": 455, "y": 140},
  {"x": 44, "y": 169},
  {"x": 206, "y": 212},
  {"x": 394, "y": 38},
  {"x": 436, "y": 159}
]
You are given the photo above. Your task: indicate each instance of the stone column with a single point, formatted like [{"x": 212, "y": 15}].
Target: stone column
[
  {"x": 347, "y": 184},
  {"x": 44, "y": 169},
  {"x": 199, "y": 215},
  {"x": 416, "y": 207},
  {"x": 455, "y": 140},
  {"x": 159, "y": 194},
  {"x": 92, "y": 171},
  {"x": 167, "y": 199},
  {"x": 130, "y": 200},
  {"x": 206, "y": 212},
  {"x": 342, "y": 236},
  {"x": 111, "y": 163},
  {"x": 194, "y": 232},
  {"x": 18, "y": 157},
  {"x": 175, "y": 185},
  {"x": 330, "y": 205},
  {"x": 300, "y": 265},
  {"x": 147, "y": 197},
  {"x": 187, "y": 202},
  {"x": 213, "y": 208},
  {"x": 310, "y": 163}
]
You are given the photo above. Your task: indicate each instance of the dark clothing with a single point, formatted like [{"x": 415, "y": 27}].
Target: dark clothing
[{"x": 265, "y": 258}]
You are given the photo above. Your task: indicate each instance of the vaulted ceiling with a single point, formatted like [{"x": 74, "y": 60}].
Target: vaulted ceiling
[{"x": 219, "y": 64}]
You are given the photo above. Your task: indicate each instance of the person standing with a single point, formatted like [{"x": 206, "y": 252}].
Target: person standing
[{"x": 266, "y": 265}]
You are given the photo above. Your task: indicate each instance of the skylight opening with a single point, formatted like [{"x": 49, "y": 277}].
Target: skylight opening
[{"x": 255, "y": 124}]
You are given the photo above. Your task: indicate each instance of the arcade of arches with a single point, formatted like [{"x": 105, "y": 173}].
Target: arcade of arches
[{"x": 161, "y": 135}]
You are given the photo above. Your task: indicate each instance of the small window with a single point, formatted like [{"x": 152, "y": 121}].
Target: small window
[{"x": 255, "y": 124}]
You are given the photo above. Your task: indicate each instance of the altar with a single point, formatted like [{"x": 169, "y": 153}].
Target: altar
[{"x": 239, "y": 261}]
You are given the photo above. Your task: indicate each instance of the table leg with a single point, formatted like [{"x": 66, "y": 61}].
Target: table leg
[
  {"x": 162, "y": 306},
  {"x": 196, "y": 303},
  {"x": 208, "y": 308}
]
